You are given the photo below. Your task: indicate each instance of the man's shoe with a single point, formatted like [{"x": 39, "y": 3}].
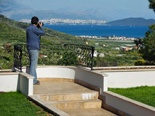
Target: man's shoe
[{"x": 37, "y": 83}]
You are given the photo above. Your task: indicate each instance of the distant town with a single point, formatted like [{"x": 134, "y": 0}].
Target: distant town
[
  {"x": 55, "y": 21},
  {"x": 108, "y": 37}
]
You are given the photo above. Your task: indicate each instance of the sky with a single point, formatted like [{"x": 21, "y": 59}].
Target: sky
[{"x": 126, "y": 8}]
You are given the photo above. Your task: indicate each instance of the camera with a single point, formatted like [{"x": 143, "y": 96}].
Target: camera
[{"x": 39, "y": 24}]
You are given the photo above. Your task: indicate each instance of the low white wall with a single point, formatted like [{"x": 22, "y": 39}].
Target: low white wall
[
  {"x": 128, "y": 106},
  {"x": 9, "y": 82},
  {"x": 55, "y": 72},
  {"x": 26, "y": 84},
  {"x": 13, "y": 81},
  {"x": 126, "y": 79},
  {"x": 90, "y": 77}
]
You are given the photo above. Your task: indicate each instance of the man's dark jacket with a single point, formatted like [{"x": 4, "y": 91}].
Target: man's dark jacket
[{"x": 33, "y": 34}]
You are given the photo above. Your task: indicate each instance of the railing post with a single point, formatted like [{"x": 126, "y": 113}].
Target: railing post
[
  {"x": 18, "y": 58},
  {"x": 92, "y": 58},
  {"x": 21, "y": 59}
]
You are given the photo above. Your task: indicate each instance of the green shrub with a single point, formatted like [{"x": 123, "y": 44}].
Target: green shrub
[
  {"x": 68, "y": 58},
  {"x": 140, "y": 62}
]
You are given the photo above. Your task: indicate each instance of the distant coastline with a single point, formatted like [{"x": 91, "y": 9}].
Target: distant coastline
[
  {"x": 55, "y": 21},
  {"x": 121, "y": 22}
]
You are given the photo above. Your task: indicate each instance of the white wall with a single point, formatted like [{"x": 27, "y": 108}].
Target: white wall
[
  {"x": 128, "y": 106},
  {"x": 130, "y": 79},
  {"x": 9, "y": 82},
  {"x": 26, "y": 84},
  {"x": 13, "y": 81},
  {"x": 55, "y": 72},
  {"x": 91, "y": 78}
]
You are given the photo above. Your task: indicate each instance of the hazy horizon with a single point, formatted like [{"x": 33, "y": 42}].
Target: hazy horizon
[{"x": 112, "y": 9}]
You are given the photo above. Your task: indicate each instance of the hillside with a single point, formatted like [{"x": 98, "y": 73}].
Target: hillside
[
  {"x": 13, "y": 32},
  {"x": 132, "y": 22}
]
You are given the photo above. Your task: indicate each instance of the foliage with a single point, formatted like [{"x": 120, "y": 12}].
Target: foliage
[
  {"x": 148, "y": 50},
  {"x": 16, "y": 104},
  {"x": 148, "y": 44},
  {"x": 6, "y": 56},
  {"x": 139, "y": 43},
  {"x": 140, "y": 62},
  {"x": 116, "y": 57},
  {"x": 152, "y": 4},
  {"x": 144, "y": 94},
  {"x": 68, "y": 58}
]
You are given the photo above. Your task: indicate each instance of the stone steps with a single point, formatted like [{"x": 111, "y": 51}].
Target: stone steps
[
  {"x": 89, "y": 112},
  {"x": 73, "y": 100},
  {"x": 70, "y": 96},
  {"x": 82, "y": 104}
]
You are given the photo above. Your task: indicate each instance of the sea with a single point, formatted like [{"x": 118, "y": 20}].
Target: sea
[{"x": 101, "y": 30}]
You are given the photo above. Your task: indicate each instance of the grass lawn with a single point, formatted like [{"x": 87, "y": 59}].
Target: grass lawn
[
  {"x": 16, "y": 104},
  {"x": 144, "y": 94}
]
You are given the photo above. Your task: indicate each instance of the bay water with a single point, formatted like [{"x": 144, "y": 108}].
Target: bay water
[{"x": 101, "y": 30}]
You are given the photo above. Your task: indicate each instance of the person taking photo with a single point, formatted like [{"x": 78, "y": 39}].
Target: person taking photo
[{"x": 33, "y": 33}]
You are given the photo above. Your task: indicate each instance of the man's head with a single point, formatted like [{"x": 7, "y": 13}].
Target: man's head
[{"x": 34, "y": 20}]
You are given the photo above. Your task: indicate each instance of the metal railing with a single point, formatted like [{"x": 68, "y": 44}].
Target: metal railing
[
  {"x": 17, "y": 58},
  {"x": 56, "y": 54}
]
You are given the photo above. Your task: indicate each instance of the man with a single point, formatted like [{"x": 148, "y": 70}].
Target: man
[{"x": 33, "y": 34}]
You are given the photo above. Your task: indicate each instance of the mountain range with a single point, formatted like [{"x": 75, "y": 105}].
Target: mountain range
[
  {"x": 132, "y": 22},
  {"x": 16, "y": 11}
]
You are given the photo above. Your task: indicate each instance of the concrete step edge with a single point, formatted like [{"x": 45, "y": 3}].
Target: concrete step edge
[
  {"x": 76, "y": 101},
  {"x": 69, "y": 97},
  {"x": 69, "y": 93},
  {"x": 84, "y": 104}
]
